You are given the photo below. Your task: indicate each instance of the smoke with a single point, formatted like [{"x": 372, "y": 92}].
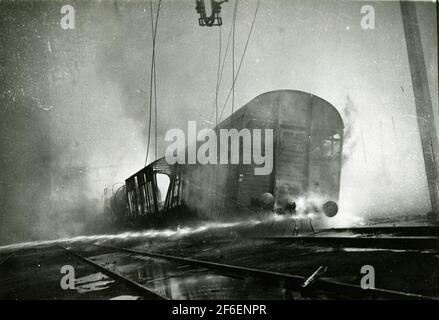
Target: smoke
[
  {"x": 351, "y": 134},
  {"x": 383, "y": 176},
  {"x": 266, "y": 223},
  {"x": 74, "y": 111},
  {"x": 147, "y": 234},
  {"x": 73, "y": 115},
  {"x": 104, "y": 121}
]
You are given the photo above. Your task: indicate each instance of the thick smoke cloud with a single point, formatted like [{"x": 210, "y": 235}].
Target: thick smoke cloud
[
  {"x": 72, "y": 120},
  {"x": 74, "y": 104}
]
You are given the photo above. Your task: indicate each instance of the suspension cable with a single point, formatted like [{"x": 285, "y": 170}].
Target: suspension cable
[
  {"x": 218, "y": 78},
  {"x": 241, "y": 61},
  {"x": 233, "y": 58},
  {"x": 153, "y": 83},
  {"x": 221, "y": 73}
]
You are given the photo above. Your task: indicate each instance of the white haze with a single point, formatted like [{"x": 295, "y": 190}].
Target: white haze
[{"x": 97, "y": 88}]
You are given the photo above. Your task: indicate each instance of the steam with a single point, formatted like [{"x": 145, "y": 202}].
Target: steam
[
  {"x": 147, "y": 234},
  {"x": 264, "y": 219},
  {"x": 349, "y": 114},
  {"x": 383, "y": 174},
  {"x": 75, "y": 117}
]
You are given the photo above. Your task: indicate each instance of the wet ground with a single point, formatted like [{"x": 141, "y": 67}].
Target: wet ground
[
  {"x": 411, "y": 271},
  {"x": 36, "y": 274},
  {"x": 177, "y": 280},
  {"x": 29, "y": 272}
]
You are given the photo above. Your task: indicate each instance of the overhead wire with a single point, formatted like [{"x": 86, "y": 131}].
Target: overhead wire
[
  {"x": 233, "y": 57},
  {"x": 153, "y": 83},
  {"x": 242, "y": 59},
  {"x": 217, "y": 78},
  {"x": 221, "y": 73}
]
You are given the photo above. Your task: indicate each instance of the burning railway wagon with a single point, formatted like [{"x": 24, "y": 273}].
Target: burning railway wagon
[{"x": 307, "y": 148}]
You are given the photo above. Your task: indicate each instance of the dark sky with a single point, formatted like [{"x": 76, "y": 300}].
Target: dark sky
[{"x": 73, "y": 103}]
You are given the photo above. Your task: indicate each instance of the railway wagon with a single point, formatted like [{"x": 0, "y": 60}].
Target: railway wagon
[{"x": 307, "y": 155}]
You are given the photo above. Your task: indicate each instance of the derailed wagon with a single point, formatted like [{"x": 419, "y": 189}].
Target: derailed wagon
[{"x": 307, "y": 155}]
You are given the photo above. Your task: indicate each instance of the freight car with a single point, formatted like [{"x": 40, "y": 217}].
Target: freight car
[{"x": 308, "y": 140}]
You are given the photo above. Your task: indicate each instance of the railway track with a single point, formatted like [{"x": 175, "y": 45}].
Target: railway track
[
  {"x": 142, "y": 290},
  {"x": 205, "y": 283},
  {"x": 267, "y": 269},
  {"x": 274, "y": 284},
  {"x": 399, "y": 238},
  {"x": 3, "y": 260},
  {"x": 252, "y": 268},
  {"x": 401, "y": 243},
  {"x": 418, "y": 231}
]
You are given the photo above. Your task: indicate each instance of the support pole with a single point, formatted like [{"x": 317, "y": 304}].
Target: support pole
[{"x": 424, "y": 108}]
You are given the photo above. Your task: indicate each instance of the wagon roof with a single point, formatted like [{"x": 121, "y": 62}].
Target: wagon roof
[
  {"x": 160, "y": 165},
  {"x": 268, "y": 98}
]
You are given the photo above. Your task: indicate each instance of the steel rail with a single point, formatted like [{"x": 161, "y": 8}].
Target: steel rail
[
  {"x": 144, "y": 291},
  {"x": 404, "y": 243},
  {"x": 406, "y": 231},
  {"x": 7, "y": 257},
  {"x": 293, "y": 281}
]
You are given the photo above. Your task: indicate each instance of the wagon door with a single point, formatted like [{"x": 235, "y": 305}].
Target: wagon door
[
  {"x": 252, "y": 186},
  {"x": 291, "y": 165}
]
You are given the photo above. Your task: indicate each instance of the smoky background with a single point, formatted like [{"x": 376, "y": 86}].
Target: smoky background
[{"x": 74, "y": 103}]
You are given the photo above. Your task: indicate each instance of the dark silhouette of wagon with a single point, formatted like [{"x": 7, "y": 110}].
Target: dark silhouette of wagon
[{"x": 307, "y": 155}]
